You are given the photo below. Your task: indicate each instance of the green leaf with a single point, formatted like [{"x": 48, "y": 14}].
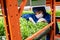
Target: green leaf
[{"x": 28, "y": 28}]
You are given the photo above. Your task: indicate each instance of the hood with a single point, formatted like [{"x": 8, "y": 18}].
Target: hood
[{"x": 38, "y": 9}]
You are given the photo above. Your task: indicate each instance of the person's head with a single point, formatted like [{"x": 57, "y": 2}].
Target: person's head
[
  {"x": 39, "y": 14},
  {"x": 39, "y": 11}
]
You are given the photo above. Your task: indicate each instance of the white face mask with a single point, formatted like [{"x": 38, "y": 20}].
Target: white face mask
[{"x": 39, "y": 15}]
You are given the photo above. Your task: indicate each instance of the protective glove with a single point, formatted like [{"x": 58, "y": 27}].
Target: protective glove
[
  {"x": 31, "y": 19},
  {"x": 41, "y": 20}
]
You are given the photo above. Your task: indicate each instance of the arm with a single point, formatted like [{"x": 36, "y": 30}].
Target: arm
[
  {"x": 48, "y": 18},
  {"x": 41, "y": 20},
  {"x": 31, "y": 19},
  {"x": 28, "y": 17}
]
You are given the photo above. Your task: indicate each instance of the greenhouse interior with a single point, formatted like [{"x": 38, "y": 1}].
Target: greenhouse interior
[{"x": 29, "y": 19}]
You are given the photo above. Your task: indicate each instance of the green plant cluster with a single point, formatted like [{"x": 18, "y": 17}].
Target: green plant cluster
[
  {"x": 2, "y": 30},
  {"x": 28, "y": 28}
]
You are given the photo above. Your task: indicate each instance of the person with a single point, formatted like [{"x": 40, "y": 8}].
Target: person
[{"x": 40, "y": 15}]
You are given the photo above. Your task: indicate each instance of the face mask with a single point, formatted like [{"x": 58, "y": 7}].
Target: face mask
[{"x": 39, "y": 15}]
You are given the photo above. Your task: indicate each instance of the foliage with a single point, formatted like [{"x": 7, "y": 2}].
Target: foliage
[
  {"x": 28, "y": 28},
  {"x": 34, "y": 0},
  {"x": 59, "y": 25},
  {"x": 2, "y": 31}
]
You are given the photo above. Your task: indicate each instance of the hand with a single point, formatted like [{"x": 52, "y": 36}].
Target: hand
[
  {"x": 31, "y": 19},
  {"x": 41, "y": 20}
]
